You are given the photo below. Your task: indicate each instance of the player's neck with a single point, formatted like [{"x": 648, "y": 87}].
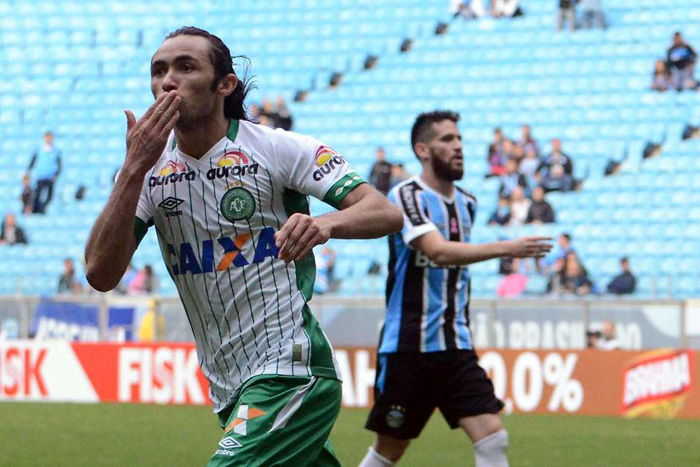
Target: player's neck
[
  {"x": 445, "y": 187},
  {"x": 196, "y": 140}
]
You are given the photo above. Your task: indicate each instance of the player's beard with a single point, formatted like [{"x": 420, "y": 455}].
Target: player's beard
[
  {"x": 443, "y": 169},
  {"x": 195, "y": 111}
]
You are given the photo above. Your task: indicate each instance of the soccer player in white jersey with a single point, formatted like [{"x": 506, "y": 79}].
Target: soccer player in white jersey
[
  {"x": 229, "y": 202},
  {"x": 425, "y": 358}
]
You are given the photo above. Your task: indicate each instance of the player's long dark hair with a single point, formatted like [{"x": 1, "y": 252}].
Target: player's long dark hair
[{"x": 220, "y": 56}]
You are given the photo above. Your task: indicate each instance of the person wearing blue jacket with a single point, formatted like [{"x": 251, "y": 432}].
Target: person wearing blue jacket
[{"x": 45, "y": 166}]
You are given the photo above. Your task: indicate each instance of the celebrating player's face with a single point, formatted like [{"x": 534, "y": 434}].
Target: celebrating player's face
[
  {"x": 446, "y": 151},
  {"x": 182, "y": 64}
]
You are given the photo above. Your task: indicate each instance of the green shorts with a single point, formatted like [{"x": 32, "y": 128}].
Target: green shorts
[{"x": 280, "y": 421}]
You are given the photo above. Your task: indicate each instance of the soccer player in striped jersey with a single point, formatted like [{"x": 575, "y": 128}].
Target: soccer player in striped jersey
[
  {"x": 229, "y": 202},
  {"x": 425, "y": 358}
]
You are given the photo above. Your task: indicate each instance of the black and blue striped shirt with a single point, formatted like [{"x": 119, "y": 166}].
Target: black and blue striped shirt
[{"x": 427, "y": 305}]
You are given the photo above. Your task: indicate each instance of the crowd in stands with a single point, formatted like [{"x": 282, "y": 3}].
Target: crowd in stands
[
  {"x": 273, "y": 116},
  {"x": 591, "y": 14},
  {"x": 677, "y": 71},
  {"x": 471, "y": 9},
  {"x": 526, "y": 177},
  {"x": 565, "y": 272},
  {"x": 134, "y": 281},
  {"x": 384, "y": 174}
]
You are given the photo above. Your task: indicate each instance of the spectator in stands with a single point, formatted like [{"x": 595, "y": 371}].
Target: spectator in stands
[
  {"x": 591, "y": 14},
  {"x": 128, "y": 276},
  {"x": 324, "y": 270},
  {"x": 144, "y": 282},
  {"x": 556, "y": 170},
  {"x": 625, "y": 282},
  {"x": 527, "y": 142},
  {"x": 27, "y": 196},
  {"x": 555, "y": 261},
  {"x": 566, "y": 13},
  {"x": 541, "y": 211},
  {"x": 511, "y": 179},
  {"x": 519, "y": 207},
  {"x": 681, "y": 62},
  {"x": 495, "y": 157},
  {"x": 468, "y": 9},
  {"x": 284, "y": 116},
  {"x": 505, "y": 8},
  {"x": 268, "y": 116},
  {"x": 398, "y": 174},
  {"x": 380, "y": 175},
  {"x": 528, "y": 167},
  {"x": 254, "y": 111},
  {"x": 68, "y": 282},
  {"x": 12, "y": 233},
  {"x": 508, "y": 149},
  {"x": 46, "y": 165},
  {"x": 574, "y": 277},
  {"x": 517, "y": 153},
  {"x": 501, "y": 216},
  {"x": 660, "y": 81}
]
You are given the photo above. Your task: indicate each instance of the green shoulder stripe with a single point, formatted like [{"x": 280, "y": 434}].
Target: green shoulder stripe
[
  {"x": 341, "y": 188},
  {"x": 141, "y": 228}
]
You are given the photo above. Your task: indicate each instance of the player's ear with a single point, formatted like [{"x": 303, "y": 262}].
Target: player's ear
[
  {"x": 422, "y": 151},
  {"x": 228, "y": 84}
]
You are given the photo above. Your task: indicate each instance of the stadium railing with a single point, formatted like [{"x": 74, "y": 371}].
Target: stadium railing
[{"x": 519, "y": 324}]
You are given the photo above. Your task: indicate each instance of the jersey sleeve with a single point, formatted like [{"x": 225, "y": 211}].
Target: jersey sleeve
[
  {"x": 415, "y": 222},
  {"x": 312, "y": 168}
]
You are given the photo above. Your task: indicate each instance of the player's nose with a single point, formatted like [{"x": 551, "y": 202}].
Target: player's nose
[{"x": 169, "y": 83}]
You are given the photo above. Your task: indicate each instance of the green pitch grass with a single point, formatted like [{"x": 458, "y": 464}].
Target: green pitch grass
[{"x": 147, "y": 435}]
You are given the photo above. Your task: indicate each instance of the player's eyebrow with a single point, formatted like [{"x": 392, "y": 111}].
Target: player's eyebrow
[
  {"x": 178, "y": 59},
  {"x": 451, "y": 136}
]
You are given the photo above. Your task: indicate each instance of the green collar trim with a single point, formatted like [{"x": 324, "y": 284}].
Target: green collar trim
[{"x": 232, "y": 130}]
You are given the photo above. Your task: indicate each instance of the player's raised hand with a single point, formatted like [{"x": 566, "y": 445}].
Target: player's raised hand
[
  {"x": 146, "y": 138},
  {"x": 299, "y": 235},
  {"x": 530, "y": 247}
]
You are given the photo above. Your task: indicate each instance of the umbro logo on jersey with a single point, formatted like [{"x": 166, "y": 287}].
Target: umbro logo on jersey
[
  {"x": 229, "y": 443},
  {"x": 170, "y": 204},
  {"x": 225, "y": 446},
  {"x": 327, "y": 160},
  {"x": 173, "y": 172}
]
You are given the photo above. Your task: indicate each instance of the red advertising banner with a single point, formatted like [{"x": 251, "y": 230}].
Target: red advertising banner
[{"x": 660, "y": 383}]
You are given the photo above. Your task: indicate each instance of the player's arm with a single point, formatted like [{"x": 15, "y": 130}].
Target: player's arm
[
  {"x": 364, "y": 213},
  {"x": 444, "y": 252},
  {"x": 112, "y": 241}
]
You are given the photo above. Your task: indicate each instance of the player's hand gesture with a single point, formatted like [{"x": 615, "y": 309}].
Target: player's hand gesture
[
  {"x": 530, "y": 247},
  {"x": 299, "y": 235},
  {"x": 146, "y": 138}
]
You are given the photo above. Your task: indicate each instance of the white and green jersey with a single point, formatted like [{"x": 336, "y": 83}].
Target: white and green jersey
[{"x": 216, "y": 218}]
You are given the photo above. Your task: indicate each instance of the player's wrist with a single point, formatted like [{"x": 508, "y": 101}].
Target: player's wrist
[
  {"x": 130, "y": 175},
  {"x": 506, "y": 248}
]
